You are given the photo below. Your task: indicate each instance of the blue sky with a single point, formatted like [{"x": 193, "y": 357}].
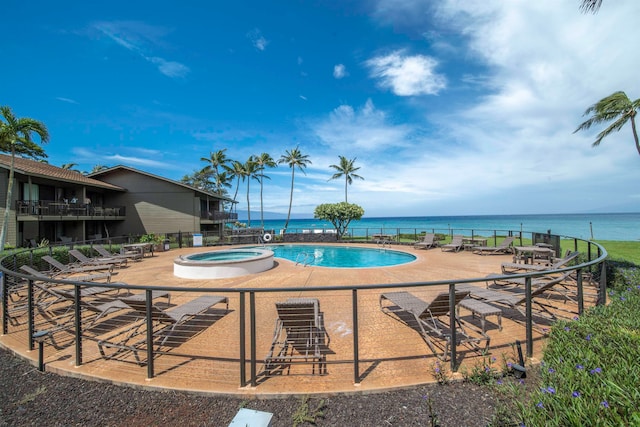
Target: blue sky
[{"x": 450, "y": 107}]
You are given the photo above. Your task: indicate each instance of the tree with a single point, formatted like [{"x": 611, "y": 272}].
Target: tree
[
  {"x": 339, "y": 214},
  {"x": 618, "y": 107},
  {"x": 97, "y": 168},
  {"x": 347, "y": 169},
  {"x": 590, "y": 5},
  {"x": 262, "y": 161},
  {"x": 16, "y": 138},
  {"x": 249, "y": 171},
  {"x": 295, "y": 159},
  {"x": 235, "y": 170},
  {"x": 70, "y": 167},
  {"x": 200, "y": 179},
  {"x": 216, "y": 160}
]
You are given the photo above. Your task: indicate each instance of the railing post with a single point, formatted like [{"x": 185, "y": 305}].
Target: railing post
[
  {"x": 5, "y": 304},
  {"x": 529, "y": 315},
  {"x": 149, "y": 308},
  {"x": 30, "y": 324},
  {"x": 242, "y": 336},
  {"x": 452, "y": 323},
  {"x": 580, "y": 291},
  {"x": 252, "y": 332},
  {"x": 356, "y": 357},
  {"x": 602, "y": 289},
  {"x": 78, "y": 324}
]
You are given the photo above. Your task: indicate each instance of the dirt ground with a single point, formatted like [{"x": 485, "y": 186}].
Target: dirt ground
[{"x": 29, "y": 397}]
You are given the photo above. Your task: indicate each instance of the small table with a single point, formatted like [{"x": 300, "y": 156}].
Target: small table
[
  {"x": 482, "y": 310},
  {"x": 383, "y": 237},
  {"x": 471, "y": 242},
  {"x": 143, "y": 248},
  {"x": 531, "y": 254}
]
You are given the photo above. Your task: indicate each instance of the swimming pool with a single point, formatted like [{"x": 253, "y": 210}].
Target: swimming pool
[
  {"x": 338, "y": 256},
  {"x": 223, "y": 264}
]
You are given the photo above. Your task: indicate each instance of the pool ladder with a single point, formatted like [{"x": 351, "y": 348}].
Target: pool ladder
[{"x": 305, "y": 259}]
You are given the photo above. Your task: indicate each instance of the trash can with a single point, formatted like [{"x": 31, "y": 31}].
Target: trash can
[{"x": 166, "y": 244}]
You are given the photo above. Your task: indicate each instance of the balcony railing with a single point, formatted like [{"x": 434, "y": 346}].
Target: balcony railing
[
  {"x": 66, "y": 209},
  {"x": 219, "y": 216}
]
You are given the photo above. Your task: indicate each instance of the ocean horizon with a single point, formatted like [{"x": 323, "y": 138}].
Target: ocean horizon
[{"x": 595, "y": 226}]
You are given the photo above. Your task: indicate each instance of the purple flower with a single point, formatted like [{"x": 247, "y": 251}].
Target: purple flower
[
  {"x": 540, "y": 405},
  {"x": 595, "y": 371},
  {"x": 552, "y": 371},
  {"x": 509, "y": 365},
  {"x": 623, "y": 299},
  {"x": 588, "y": 337},
  {"x": 604, "y": 403},
  {"x": 567, "y": 329},
  {"x": 575, "y": 394},
  {"x": 499, "y": 382},
  {"x": 576, "y": 317},
  {"x": 551, "y": 390},
  {"x": 521, "y": 381},
  {"x": 579, "y": 367}
]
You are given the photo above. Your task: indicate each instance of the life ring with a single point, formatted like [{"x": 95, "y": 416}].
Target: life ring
[{"x": 267, "y": 237}]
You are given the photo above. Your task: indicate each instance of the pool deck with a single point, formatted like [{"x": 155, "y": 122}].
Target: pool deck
[{"x": 392, "y": 355}]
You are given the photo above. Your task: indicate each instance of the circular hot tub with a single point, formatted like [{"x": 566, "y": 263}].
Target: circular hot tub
[{"x": 222, "y": 264}]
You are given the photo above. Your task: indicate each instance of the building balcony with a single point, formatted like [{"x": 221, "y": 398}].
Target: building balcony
[
  {"x": 219, "y": 216},
  {"x": 46, "y": 209}
]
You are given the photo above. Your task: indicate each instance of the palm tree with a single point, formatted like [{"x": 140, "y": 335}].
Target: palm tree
[
  {"x": 235, "y": 170},
  {"x": 216, "y": 160},
  {"x": 249, "y": 171},
  {"x": 346, "y": 168},
  {"x": 618, "y": 107},
  {"x": 590, "y": 5},
  {"x": 16, "y": 138},
  {"x": 97, "y": 168},
  {"x": 295, "y": 159},
  {"x": 264, "y": 160},
  {"x": 70, "y": 166}
]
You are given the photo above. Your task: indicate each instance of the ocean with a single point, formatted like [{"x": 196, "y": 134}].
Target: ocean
[{"x": 597, "y": 226}]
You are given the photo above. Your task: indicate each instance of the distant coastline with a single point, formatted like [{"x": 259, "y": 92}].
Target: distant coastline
[{"x": 599, "y": 226}]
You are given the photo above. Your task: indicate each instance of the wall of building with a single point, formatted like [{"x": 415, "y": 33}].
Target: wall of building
[{"x": 152, "y": 205}]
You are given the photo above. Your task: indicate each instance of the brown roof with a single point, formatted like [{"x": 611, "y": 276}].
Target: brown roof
[
  {"x": 45, "y": 170},
  {"x": 181, "y": 184}
]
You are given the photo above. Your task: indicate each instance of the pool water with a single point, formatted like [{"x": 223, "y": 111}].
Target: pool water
[
  {"x": 223, "y": 256},
  {"x": 341, "y": 256}
]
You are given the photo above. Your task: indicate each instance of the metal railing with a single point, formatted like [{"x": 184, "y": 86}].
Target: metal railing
[
  {"x": 23, "y": 314},
  {"x": 66, "y": 209}
]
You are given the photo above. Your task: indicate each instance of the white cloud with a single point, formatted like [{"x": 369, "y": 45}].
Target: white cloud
[
  {"x": 407, "y": 75},
  {"x": 340, "y": 71},
  {"x": 170, "y": 68},
  {"x": 257, "y": 39},
  {"x": 135, "y": 37},
  {"x": 363, "y": 129},
  {"x": 67, "y": 100}
]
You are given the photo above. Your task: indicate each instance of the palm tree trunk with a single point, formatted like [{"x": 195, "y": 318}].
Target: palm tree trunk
[
  {"x": 235, "y": 196},
  {"x": 635, "y": 133},
  {"x": 261, "y": 205},
  {"x": 293, "y": 173},
  {"x": 346, "y": 180},
  {"x": 248, "y": 205},
  {"x": 7, "y": 208}
]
